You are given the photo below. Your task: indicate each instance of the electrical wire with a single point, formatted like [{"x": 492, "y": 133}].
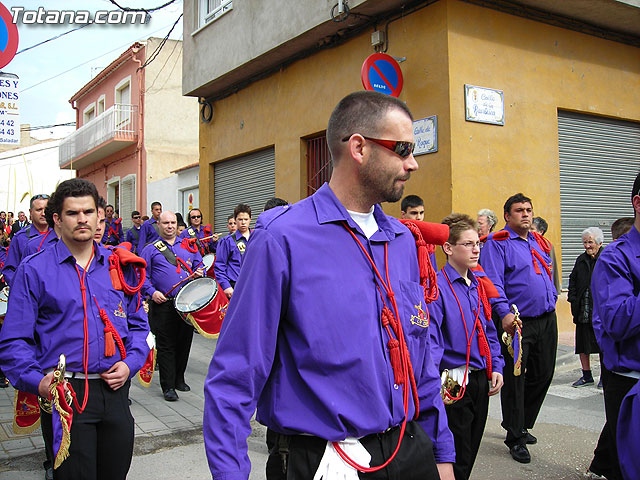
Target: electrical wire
[
  {"x": 146, "y": 10},
  {"x": 150, "y": 87},
  {"x": 88, "y": 61},
  {"x": 52, "y": 38},
  {"x": 41, "y": 127},
  {"x": 158, "y": 49}
]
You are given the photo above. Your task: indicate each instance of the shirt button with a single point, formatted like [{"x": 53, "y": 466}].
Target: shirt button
[{"x": 395, "y": 386}]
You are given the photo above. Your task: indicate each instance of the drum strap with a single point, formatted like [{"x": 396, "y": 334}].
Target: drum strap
[
  {"x": 192, "y": 234},
  {"x": 155, "y": 227},
  {"x": 166, "y": 252},
  {"x": 135, "y": 233},
  {"x": 241, "y": 243}
]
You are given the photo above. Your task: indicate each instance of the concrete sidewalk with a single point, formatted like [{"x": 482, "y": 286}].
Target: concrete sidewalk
[{"x": 567, "y": 428}]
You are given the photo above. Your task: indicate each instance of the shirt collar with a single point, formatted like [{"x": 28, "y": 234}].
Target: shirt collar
[
  {"x": 330, "y": 210},
  {"x": 514, "y": 236},
  {"x": 634, "y": 240},
  {"x": 453, "y": 275},
  {"x": 63, "y": 254}
]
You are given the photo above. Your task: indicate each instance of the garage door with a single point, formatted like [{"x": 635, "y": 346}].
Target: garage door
[
  {"x": 599, "y": 160},
  {"x": 249, "y": 179}
]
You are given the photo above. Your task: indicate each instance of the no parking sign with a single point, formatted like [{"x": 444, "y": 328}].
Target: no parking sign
[{"x": 381, "y": 73}]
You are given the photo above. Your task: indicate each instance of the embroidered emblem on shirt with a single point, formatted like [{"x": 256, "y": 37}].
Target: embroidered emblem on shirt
[
  {"x": 421, "y": 319},
  {"x": 119, "y": 312}
]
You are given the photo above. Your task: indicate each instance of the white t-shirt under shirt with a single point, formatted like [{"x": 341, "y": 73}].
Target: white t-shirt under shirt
[{"x": 365, "y": 221}]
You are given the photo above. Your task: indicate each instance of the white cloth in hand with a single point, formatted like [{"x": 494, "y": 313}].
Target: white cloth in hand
[{"x": 332, "y": 467}]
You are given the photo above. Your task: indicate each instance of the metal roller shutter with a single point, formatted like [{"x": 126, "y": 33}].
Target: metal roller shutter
[
  {"x": 250, "y": 179},
  {"x": 127, "y": 200},
  {"x": 599, "y": 160}
]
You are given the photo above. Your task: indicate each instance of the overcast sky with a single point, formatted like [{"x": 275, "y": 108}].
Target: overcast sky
[{"x": 89, "y": 49}]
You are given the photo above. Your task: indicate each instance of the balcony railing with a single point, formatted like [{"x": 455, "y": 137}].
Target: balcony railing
[{"x": 110, "y": 131}]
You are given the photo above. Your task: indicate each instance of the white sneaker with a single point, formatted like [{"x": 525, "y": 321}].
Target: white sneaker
[{"x": 593, "y": 476}]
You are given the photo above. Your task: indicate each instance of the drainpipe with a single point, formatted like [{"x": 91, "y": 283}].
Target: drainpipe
[
  {"x": 141, "y": 170},
  {"x": 75, "y": 107}
]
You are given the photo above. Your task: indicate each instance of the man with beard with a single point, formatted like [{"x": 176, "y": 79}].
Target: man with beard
[
  {"x": 518, "y": 263},
  {"x": 327, "y": 349}
]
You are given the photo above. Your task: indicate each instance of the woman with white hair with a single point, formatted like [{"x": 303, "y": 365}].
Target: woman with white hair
[
  {"x": 582, "y": 302},
  {"x": 487, "y": 220}
]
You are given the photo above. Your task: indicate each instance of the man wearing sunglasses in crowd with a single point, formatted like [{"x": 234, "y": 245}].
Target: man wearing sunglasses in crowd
[
  {"x": 335, "y": 357},
  {"x": 133, "y": 234},
  {"x": 38, "y": 226},
  {"x": 197, "y": 230}
]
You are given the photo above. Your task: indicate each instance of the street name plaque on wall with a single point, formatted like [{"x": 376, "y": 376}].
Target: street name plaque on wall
[
  {"x": 425, "y": 133},
  {"x": 484, "y": 105}
]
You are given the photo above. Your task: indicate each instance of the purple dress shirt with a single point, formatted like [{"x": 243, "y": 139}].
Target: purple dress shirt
[
  {"x": 509, "y": 265},
  {"x": 615, "y": 286},
  {"x": 45, "y": 318},
  {"x": 448, "y": 342},
  {"x": 16, "y": 251},
  {"x": 148, "y": 233},
  {"x": 303, "y": 342},
  {"x": 228, "y": 260},
  {"x": 113, "y": 232},
  {"x": 40, "y": 242},
  {"x": 129, "y": 237},
  {"x": 161, "y": 275},
  {"x": 208, "y": 245}
]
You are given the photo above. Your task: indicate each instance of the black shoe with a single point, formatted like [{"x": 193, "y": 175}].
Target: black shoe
[
  {"x": 520, "y": 453},
  {"x": 170, "y": 395},
  {"x": 3, "y": 382},
  {"x": 183, "y": 387},
  {"x": 531, "y": 440},
  {"x": 582, "y": 382}
]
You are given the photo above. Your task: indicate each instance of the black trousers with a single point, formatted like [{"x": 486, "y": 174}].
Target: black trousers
[
  {"x": 604, "y": 456},
  {"x": 467, "y": 419},
  {"x": 101, "y": 436},
  {"x": 173, "y": 341},
  {"x": 522, "y": 396},
  {"x": 615, "y": 389},
  {"x": 414, "y": 461}
]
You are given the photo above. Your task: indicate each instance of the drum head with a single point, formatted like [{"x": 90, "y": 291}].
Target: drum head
[
  {"x": 208, "y": 260},
  {"x": 196, "y": 294}
]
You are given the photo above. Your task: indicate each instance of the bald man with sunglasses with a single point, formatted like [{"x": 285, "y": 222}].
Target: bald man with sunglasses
[{"x": 305, "y": 338}]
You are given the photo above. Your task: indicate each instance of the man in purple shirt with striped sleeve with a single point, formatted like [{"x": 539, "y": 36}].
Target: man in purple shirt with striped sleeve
[{"x": 326, "y": 332}]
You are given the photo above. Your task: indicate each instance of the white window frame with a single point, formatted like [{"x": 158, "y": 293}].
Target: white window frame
[
  {"x": 91, "y": 108},
  {"x": 126, "y": 219},
  {"x": 205, "y": 18},
  {"x": 110, "y": 196},
  {"x": 101, "y": 101},
  {"x": 117, "y": 91}
]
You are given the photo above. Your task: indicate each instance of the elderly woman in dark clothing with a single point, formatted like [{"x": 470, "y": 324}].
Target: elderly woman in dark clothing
[{"x": 582, "y": 303}]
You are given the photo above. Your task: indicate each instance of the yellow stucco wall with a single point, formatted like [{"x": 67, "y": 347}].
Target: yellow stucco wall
[{"x": 540, "y": 68}]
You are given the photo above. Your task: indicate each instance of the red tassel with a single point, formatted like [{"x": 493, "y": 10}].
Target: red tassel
[
  {"x": 109, "y": 344},
  {"x": 396, "y": 363}
]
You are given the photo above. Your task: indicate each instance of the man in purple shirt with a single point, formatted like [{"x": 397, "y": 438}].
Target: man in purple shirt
[
  {"x": 615, "y": 285},
  {"x": 149, "y": 231},
  {"x": 39, "y": 226},
  {"x": 231, "y": 250},
  {"x": 113, "y": 234},
  {"x": 518, "y": 263},
  {"x": 55, "y": 292},
  {"x": 169, "y": 266},
  {"x": 197, "y": 229},
  {"x": 308, "y": 334},
  {"x": 133, "y": 234}
]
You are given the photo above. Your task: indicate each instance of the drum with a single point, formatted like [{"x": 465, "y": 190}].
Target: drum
[
  {"x": 208, "y": 260},
  {"x": 202, "y": 304}
]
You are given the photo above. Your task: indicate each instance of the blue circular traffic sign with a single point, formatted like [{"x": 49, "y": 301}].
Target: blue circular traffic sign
[{"x": 381, "y": 73}]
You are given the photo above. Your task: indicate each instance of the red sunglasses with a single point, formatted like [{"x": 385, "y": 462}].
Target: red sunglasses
[{"x": 404, "y": 149}]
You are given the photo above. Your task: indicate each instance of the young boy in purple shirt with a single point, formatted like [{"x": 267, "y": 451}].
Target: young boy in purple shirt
[{"x": 464, "y": 342}]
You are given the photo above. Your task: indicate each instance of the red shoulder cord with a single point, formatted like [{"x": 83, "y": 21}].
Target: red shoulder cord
[
  {"x": 476, "y": 325},
  {"x": 428, "y": 278},
  {"x": 111, "y": 335},
  {"x": 115, "y": 268},
  {"x": 43, "y": 239},
  {"x": 189, "y": 244},
  {"x": 398, "y": 355},
  {"x": 537, "y": 258},
  {"x": 85, "y": 346}
]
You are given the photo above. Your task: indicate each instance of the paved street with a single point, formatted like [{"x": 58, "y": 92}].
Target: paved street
[{"x": 169, "y": 435}]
